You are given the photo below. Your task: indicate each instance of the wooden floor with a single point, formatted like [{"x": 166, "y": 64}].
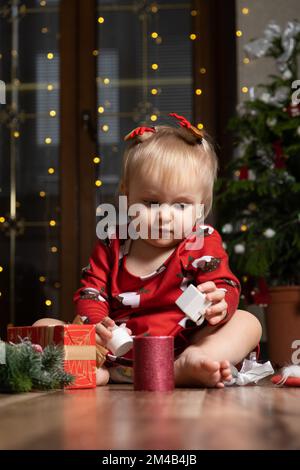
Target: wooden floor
[{"x": 116, "y": 417}]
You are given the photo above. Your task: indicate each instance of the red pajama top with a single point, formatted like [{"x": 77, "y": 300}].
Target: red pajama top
[{"x": 147, "y": 303}]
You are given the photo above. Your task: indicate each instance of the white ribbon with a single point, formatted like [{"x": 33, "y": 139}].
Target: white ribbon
[
  {"x": 273, "y": 32},
  {"x": 251, "y": 372}
]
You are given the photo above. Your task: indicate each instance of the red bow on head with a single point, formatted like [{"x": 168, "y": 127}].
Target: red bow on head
[
  {"x": 139, "y": 131},
  {"x": 185, "y": 123},
  {"x": 182, "y": 120}
]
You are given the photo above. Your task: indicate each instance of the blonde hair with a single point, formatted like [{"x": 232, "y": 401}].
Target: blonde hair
[{"x": 169, "y": 155}]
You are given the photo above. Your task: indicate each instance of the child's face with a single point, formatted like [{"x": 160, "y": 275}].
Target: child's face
[{"x": 173, "y": 217}]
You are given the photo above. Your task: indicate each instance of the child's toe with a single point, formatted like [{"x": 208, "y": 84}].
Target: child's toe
[
  {"x": 225, "y": 364},
  {"x": 210, "y": 366}
]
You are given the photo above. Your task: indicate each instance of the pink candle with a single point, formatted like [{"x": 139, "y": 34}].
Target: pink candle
[{"x": 153, "y": 363}]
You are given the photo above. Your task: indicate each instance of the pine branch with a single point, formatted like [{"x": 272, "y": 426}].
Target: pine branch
[{"x": 26, "y": 369}]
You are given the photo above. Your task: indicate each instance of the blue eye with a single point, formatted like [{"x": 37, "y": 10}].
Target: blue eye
[
  {"x": 151, "y": 202},
  {"x": 184, "y": 206}
]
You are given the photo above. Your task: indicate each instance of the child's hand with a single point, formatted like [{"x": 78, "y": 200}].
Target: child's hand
[
  {"x": 103, "y": 330},
  {"x": 218, "y": 310}
]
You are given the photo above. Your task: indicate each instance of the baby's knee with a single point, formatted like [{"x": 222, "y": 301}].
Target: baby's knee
[
  {"x": 251, "y": 322},
  {"x": 48, "y": 322}
]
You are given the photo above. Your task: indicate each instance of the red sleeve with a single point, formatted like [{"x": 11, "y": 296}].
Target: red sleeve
[
  {"x": 92, "y": 298},
  {"x": 213, "y": 265}
]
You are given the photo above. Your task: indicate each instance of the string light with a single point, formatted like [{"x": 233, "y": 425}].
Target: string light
[
  {"x": 48, "y": 303},
  {"x": 95, "y": 52},
  {"x": 52, "y": 223},
  {"x": 50, "y": 87},
  {"x": 44, "y": 30},
  {"x": 98, "y": 183},
  {"x": 51, "y": 171},
  {"x": 106, "y": 81},
  {"x": 246, "y": 60},
  {"x": 57, "y": 285},
  {"x": 154, "y": 8},
  {"x": 239, "y": 33},
  {"x": 245, "y": 89},
  {"x": 101, "y": 20},
  {"x": 245, "y": 278},
  {"x": 43, "y": 3},
  {"x": 52, "y": 113},
  {"x": 100, "y": 110},
  {"x": 1, "y": 269},
  {"x": 1, "y": 56},
  {"x": 54, "y": 249},
  {"x": 50, "y": 56},
  {"x": 153, "y": 117},
  {"x": 154, "y": 35},
  {"x": 96, "y": 160},
  {"x": 244, "y": 228},
  {"x": 245, "y": 11},
  {"x": 42, "y": 279},
  {"x": 194, "y": 12},
  {"x": 2, "y": 220},
  {"x": 203, "y": 70},
  {"x": 42, "y": 194},
  {"x": 105, "y": 128},
  {"x": 16, "y": 134},
  {"x": 200, "y": 126},
  {"x": 48, "y": 140},
  {"x": 154, "y": 91},
  {"x": 158, "y": 40},
  {"x": 154, "y": 66},
  {"x": 193, "y": 36},
  {"x": 198, "y": 91}
]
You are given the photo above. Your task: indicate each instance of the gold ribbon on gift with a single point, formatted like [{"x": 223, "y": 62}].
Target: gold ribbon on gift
[
  {"x": 80, "y": 353},
  {"x": 101, "y": 351}
]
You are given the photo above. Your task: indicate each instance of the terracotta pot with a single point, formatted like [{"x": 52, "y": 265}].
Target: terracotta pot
[{"x": 283, "y": 323}]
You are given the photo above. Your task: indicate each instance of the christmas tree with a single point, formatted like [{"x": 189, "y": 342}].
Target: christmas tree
[
  {"x": 258, "y": 198},
  {"x": 25, "y": 367}
]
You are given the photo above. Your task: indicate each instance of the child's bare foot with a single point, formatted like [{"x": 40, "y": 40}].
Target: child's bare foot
[
  {"x": 194, "y": 369},
  {"x": 225, "y": 372},
  {"x": 102, "y": 376}
]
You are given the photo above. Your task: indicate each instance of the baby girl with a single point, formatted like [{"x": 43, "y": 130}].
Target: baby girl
[{"x": 135, "y": 280}]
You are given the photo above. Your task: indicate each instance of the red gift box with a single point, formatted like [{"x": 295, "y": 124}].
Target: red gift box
[{"x": 79, "y": 342}]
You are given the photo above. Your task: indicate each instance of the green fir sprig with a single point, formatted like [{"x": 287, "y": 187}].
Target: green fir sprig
[{"x": 26, "y": 369}]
